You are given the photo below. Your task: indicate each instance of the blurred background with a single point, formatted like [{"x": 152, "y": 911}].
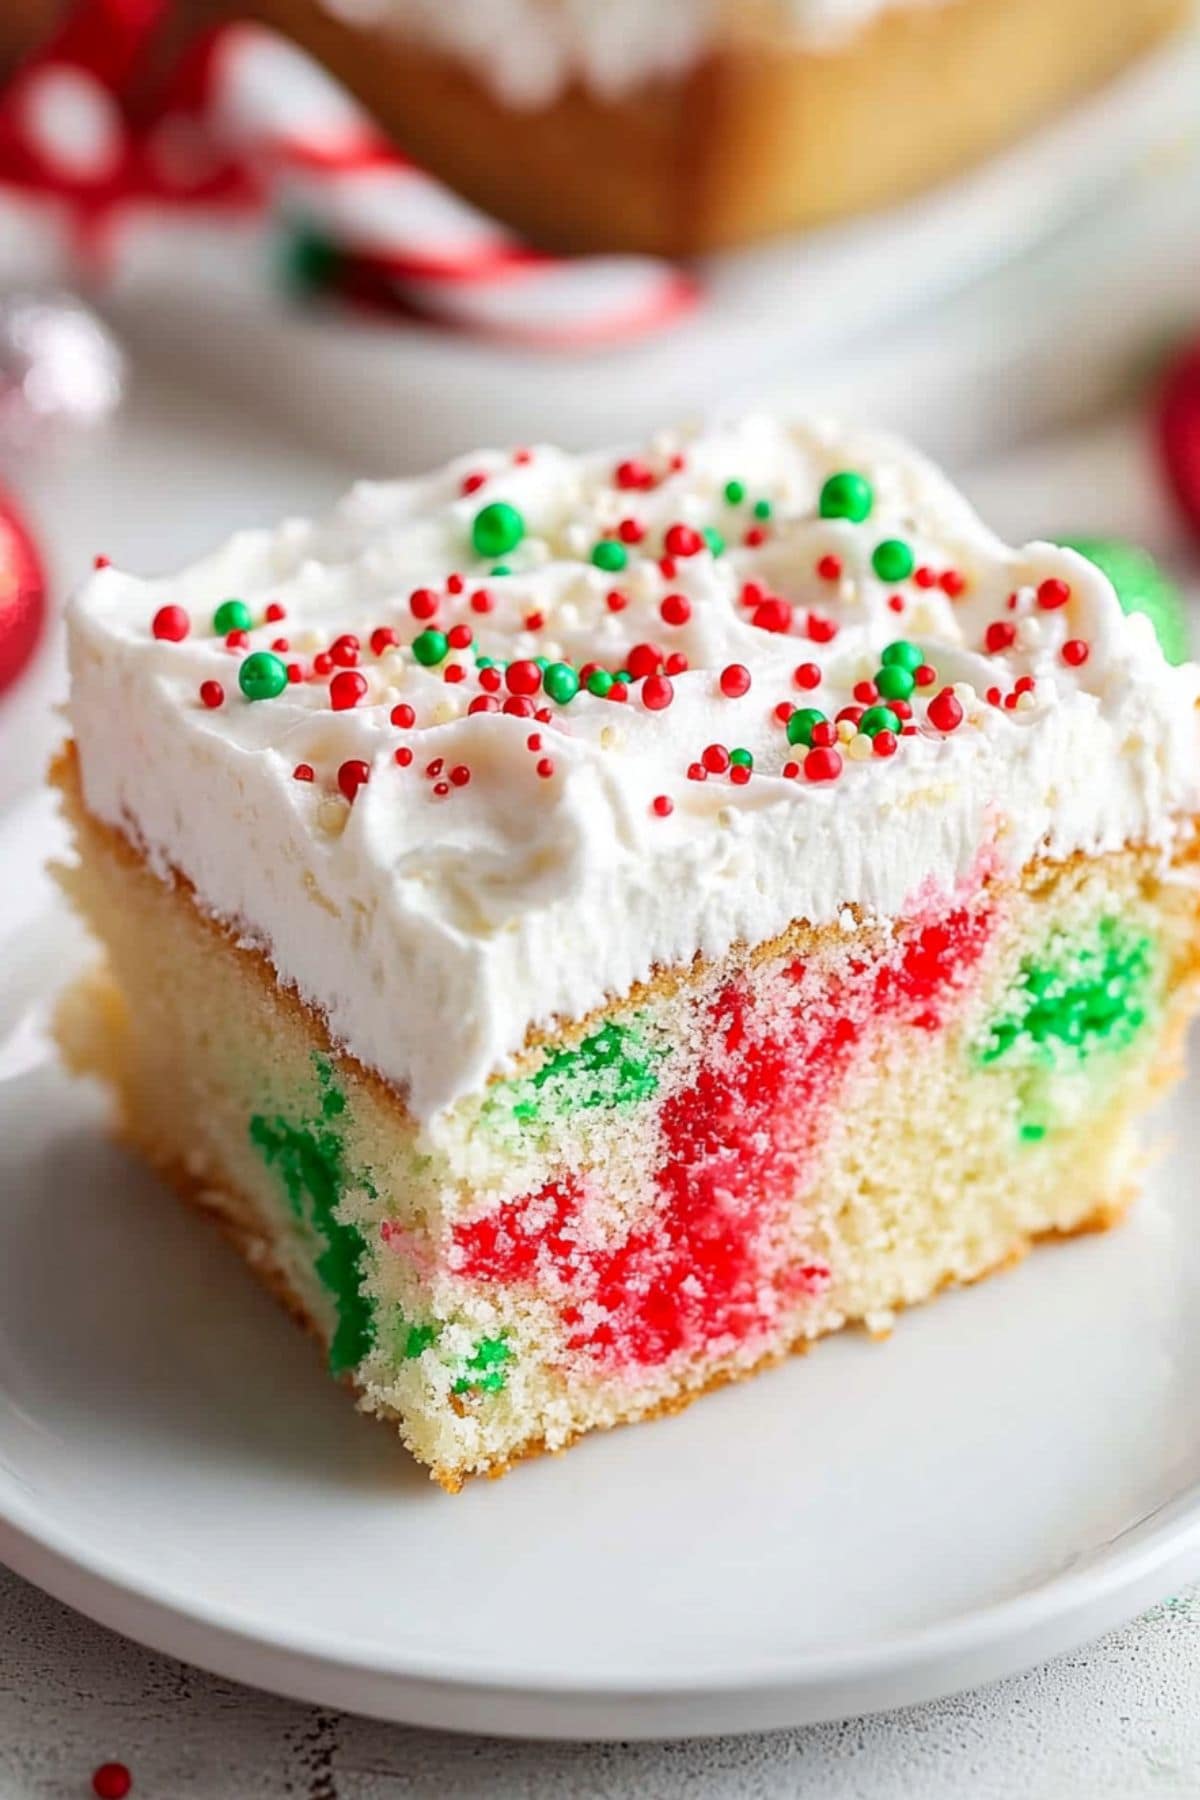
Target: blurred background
[{"x": 249, "y": 251}]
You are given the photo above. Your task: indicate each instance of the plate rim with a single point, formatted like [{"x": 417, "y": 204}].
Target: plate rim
[{"x": 1133, "y": 1569}]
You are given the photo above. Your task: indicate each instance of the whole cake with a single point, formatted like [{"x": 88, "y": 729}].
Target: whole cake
[
  {"x": 679, "y": 126},
  {"x": 589, "y": 926}
]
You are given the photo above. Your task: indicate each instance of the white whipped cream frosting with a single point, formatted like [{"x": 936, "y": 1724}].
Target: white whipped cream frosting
[
  {"x": 529, "y": 51},
  {"x": 433, "y": 930}
]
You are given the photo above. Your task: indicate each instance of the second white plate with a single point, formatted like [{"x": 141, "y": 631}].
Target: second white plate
[{"x": 1015, "y": 1470}]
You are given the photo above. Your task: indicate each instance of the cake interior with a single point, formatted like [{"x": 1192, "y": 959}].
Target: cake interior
[{"x": 736, "y": 1159}]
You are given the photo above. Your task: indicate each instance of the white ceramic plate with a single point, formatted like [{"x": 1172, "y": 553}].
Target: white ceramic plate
[{"x": 1016, "y": 1470}]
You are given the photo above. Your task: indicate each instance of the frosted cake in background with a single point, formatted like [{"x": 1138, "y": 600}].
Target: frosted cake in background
[{"x": 681, "y": 126}]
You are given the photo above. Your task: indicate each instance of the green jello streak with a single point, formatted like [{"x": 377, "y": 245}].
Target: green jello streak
[
  {"x": 309, "y": 1158},
  {"x": 1085, "y": 995},
  {"x": 485, "y": 1371},
  {"x": 613, "y": 1067}
]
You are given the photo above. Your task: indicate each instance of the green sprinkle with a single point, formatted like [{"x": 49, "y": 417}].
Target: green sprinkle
[
  {"x": 231, "y": 615},
  {"x": 623, "y": 676},
  {"x": 610, "y": 556},
  {"x": 743, "y": 757},
  {"x": 801, "y": 724},
  {"x": 847, "y": 496},
  {"x": 735, "y": 492},
  {"x": 599, "y": 682},
  {"x": 714, "y": 540},
  {"x": 902, "y": 655},
  {"x": 895, "y": 683},
  {"x": 877, "y": 719},
  {"x": 892, "y": 560},
  {"x": 500, "y": 569},
  {"x": 560, "y": 682},
  {"x": 430, "y": 647},
  {"x": 497, "y": 528},
  {"x": 1033, "y": 1134},
  {"x": 262, "y": 676},
  {"x": 762, "y": 509},
  {"x": 309, "y": 1158}
]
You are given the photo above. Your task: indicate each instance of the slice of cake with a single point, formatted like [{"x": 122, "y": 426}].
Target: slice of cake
[
  {"x": 589, "y": 926},
  {"x": 680, "y": 126}
]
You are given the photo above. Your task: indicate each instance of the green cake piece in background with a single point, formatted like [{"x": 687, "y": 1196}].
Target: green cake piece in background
[{"x": 1141, "y": 587}]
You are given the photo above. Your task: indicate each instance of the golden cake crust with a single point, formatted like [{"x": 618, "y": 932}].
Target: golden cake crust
[{"x": 757, "y": 139}]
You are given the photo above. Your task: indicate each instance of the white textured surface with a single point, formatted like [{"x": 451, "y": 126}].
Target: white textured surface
[{"x": 1117, "y": 1721}]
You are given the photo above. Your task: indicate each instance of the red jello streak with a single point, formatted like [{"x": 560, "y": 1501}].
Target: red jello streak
[{"x": 737, "y": 1139}]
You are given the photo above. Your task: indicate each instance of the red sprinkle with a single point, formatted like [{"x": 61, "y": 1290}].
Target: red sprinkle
[
  {"x": 754, "y": 536},
  {"x": 459, "y": 637},
  {"x": 657, "y": 693},
  {"x": 523, "y": 677},
  {"x": 352, "y": 775},
  {"x": 534, "y": 741},
  {"x": 302, "y": 772},
  {"x": 791, "y": 770},
  {"x": 634, "y": 474},
  {"x": 829, "y": 568},
  {"x": 824, "y": 735},
  {"x": 472, "y": 483},
  {"x": 682, "y": 540},
  {"x": 662, "y": 805},
  {"x": 808, "y": 675},
  {"x": 423, "y": 603},
  {"x": 784, "y": 711},
  {"x": 274, "y": 613},
  {"x": 925, "y": 577},
  {"x": 102, "y": 562},
  {"x": 111, "y": 1781},
  {"x": 1053, "y": 593},
  {"x": 481, "y": 601},
  {"x": 212, "y": 694},
  {"x": 944, "y": 711},
  {"x": 735, "y": 681},
  {"x": 545, "y": 768},
  {"x": 822, "y": 764},
  {"x": 952, "y": 583},
  {"x": 171, "y": 623},
  {"x": 616, "y": 601},
  {"x": 643, "y": 660},
  {"x": 676, "y": 609},
  {"x": 344, "y": 651},
  {"x": 403, "y": 756},
  {"x": 896, "y": 602},
  {"x": 436, "y": 766},
  {"x": 455, "y": 584},
  {"x": 773, "y": 615},
  {"x": 237, "y": 640},
  {"x": 676, "y": 663},
  {"x": 382, "y": 638},
  {"x": 454, "y": 672},
  {"x": 533, "y": 621},
  {"x": 884, "y": 743},
  {"x": 1075, "y": 651},
  {"x": 820, "y": 629},
  {"x": 696, "y": 772},
  {"x": 280, "y": 644},
  {"x": 491, "y": 680},
  {"x": 630, "y": 531},
  {"x": 925, "y": 675},
  {"x": 346, "y": 689},
  {"x": 866, "y": 692},
  {"x": 1001, "y": 634},
  {"x": 518, "y": 706},
  {"x": 322, "y": 663},
  {"x": 484, "y": 703},
  {"x": 715, "y": 759},
  {"x": 295, "y": 671},
  {"x": 403, "y": 715},
  {"x": 739, "y": 774}
]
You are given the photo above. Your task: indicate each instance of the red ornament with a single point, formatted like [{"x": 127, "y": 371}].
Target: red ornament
[
  {"x": 1179, "y": 433},
  {"x": 111, "y": 1781},
  {"x": 22, "y": 593}
]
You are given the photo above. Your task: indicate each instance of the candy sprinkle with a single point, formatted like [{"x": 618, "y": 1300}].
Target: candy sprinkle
[
  {"x": 171, "y": 624},
  {"x": 111, "y": 1781},
  {"x": 847, "y": 496},
  {"x": 497, "y": 529},
  {"x": 263, "y": 676},
  {"x": 231, "y": 615}
]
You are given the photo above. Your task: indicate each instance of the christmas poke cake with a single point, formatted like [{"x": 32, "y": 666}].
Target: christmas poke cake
[
  {"x": 678, "y": 126},
  {"x": 588, "y": 926}
]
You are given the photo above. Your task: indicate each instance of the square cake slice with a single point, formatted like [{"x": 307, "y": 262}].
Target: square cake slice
[{"x": 587, "y": 926}]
